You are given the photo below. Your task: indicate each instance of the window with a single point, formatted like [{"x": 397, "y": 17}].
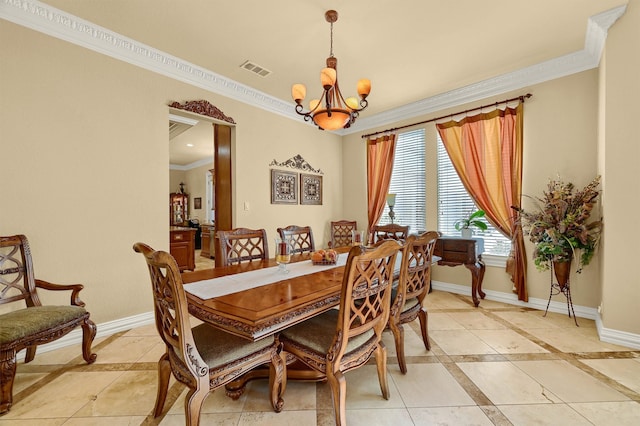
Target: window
[
  {"x": 408, "y": 182},
  {"x": 454, "y": 203}
]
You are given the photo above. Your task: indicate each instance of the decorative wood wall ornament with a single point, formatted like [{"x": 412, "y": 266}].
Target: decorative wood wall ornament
[
  {"x": 310, "y": 189},
  {"x": 297, "y": 162},
  {"x": 284, "y": 187},
  {"x": 203, "y": 107}
]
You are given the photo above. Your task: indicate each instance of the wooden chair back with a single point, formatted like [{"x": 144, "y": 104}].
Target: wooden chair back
[
  {"x": 415, "y": 271},
  {"x": 301, "y": 238},
  {"x": 341, "y": 232},
  {"x": 365, "y": 300},
  {"x": 16, "y": 272},
  {"x": 242, "y": 245},
  {"x": 391, "y": 231},
  {"x": 172, "y": 315}
]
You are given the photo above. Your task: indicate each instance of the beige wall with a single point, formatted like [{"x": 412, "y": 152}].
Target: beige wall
[
  {"x": 560, "y": 137},
  {"x": 85, "y": 166},
  {"x": 619, "y": 158}
]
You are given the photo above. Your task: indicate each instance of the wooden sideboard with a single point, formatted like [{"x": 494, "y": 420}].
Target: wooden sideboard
[
  {"x": 182, "y": 247},
  {"x": 456, "y": 251}
]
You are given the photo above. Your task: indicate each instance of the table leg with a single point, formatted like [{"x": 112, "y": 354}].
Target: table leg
[{"x": 477, "y": 274}]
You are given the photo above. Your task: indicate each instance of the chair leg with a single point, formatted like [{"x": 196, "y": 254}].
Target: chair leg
[
  {"x": 398, "y": 337},
  {"x": 338, "y": 385},
  {"x": 277, "y": 380},
  {"x": 164, "y": 374},
  {"x": 381, "y": 363},
  {"x": 423, "y": 316},
  {"x": 8, "y": 374},
  {"x": 193, "y": 405},
  {"x": 89, "y": 330},
  {"x": 31, "y": 354}
]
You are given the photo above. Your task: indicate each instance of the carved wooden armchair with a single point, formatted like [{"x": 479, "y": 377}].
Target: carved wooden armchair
[
  {"x": 391, "y": 231},
  {"x": 34, "y": 324},
  {"x": 203, "y": 358},
  {"x": 341, "y": 232},
  {"x": 413, "y": 286},
  {"x": 337, "y": 341},
  {"x": 301, "y": 236},
  {"x": 242, "y": 245}
]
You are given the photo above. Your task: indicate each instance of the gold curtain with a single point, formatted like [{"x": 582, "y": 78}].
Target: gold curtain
[
  {"x": 486, "y": 151},
  {"x": 380, "y": 154}
]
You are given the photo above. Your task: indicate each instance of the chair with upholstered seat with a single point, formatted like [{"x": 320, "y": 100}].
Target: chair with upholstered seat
[
  {"x": 32, "y": 323},
  {"x": 242, "y": 245},
  {"x": 203, "y": 358},
  {"x": 337, "y": 341},
  {"x": 301, "y": 238},
  {"x": 390, "y": 231},
  {"x": 341, "y": 232},
  {"x": 413, "y": 286}
]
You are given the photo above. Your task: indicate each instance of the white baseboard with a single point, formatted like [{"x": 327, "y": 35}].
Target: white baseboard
[{"x": 608, "y": 335}]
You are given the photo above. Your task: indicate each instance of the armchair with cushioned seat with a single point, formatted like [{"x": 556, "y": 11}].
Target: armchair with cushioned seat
[
  {"x": 34, "y": 324},
  {"x": 337, "y": 341},
  {"x": 413, "y": 286},
  {"x": 242, "y": 245},
  {"x": 203, "y": 358}
]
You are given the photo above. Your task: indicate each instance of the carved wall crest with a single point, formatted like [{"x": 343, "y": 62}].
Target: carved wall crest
[
  {"x": 297, "y": 162},
  {"x": 203, "y": 107}
]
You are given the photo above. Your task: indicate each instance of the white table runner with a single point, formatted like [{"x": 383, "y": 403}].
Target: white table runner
[{"x": 229, "y": 284}]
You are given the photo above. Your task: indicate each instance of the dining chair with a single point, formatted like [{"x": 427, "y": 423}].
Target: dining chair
[
  {"x": 301, "y": 237},
  {"x": 203, "y": 358},
  {"x": 341, "y": 232},
  {"x": 242, "y": 245},
  {"x": 413, "y": 286},
  {"x": 390, "y": 231},
  {"x": 343, "y": 339}
]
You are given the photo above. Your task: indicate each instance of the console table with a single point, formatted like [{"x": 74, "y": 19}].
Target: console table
[{"x": 456, "y": 251}]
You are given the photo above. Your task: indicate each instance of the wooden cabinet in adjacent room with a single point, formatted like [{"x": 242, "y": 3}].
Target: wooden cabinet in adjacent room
[
  {"x": 182, "y": 247},
  {"x": 178, "y": 209}
]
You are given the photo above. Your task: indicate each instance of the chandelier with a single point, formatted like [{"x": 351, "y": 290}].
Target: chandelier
[{"x": 332, "y": 111}]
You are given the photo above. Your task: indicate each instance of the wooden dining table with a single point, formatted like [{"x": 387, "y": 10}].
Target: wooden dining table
[{"x": 258, "y": 312}]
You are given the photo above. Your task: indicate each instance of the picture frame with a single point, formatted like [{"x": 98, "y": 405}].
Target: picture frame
[
  {"x": 197, "y": 203},
  {"x": 284, "y": 187},
  {"x": 310, "y": 189}
]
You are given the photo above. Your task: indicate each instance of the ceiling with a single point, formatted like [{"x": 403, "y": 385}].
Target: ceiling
[{"x": 411, "y": 50}]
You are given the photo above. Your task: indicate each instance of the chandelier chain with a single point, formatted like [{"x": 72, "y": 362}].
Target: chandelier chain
[{"x": 331, "y": 49}]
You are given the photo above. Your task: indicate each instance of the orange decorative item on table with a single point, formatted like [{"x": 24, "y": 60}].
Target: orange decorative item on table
[{"x": 324, "y": 257}]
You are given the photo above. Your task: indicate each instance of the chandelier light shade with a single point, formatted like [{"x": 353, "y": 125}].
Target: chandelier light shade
[{"x": 331, "y": 111}]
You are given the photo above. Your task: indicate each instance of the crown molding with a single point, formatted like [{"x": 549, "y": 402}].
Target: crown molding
[{"x": 59, "y": 24}]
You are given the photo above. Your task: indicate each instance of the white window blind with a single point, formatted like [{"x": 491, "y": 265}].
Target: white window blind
[
  {"x": 408, "y": 182},
  {"x": 454, "y": 203}
]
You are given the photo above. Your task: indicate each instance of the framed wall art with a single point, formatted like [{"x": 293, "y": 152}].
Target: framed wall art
[
  {"x": 284, "y": 187},
  {"x": 197, "y": 203},
  {"x": 310, "y": 189}
]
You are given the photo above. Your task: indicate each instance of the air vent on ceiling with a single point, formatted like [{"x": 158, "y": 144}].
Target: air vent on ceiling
[{"x": 255, "y": 68}]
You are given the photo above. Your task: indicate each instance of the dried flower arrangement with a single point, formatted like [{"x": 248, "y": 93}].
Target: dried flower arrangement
[{"x": 560, "y": 225}]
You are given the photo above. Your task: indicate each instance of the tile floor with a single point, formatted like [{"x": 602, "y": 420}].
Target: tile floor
[{"x": 493, "y": 365}]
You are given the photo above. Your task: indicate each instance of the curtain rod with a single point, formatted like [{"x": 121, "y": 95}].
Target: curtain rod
[{"x": 521, "y": 98}]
